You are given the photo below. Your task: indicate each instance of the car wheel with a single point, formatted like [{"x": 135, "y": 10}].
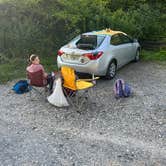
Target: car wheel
[
  {"x": 137, "y": 56},
  {"x": 111, "y": 71}
]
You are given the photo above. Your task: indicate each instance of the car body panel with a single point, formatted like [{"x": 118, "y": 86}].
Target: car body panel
[{"x": 75, "y": 57}]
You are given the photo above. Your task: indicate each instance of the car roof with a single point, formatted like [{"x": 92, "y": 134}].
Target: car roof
[{"x": 105, "y": 32}]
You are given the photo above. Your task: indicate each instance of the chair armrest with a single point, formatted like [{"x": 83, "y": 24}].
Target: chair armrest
[{"x": 89, "y": 79}]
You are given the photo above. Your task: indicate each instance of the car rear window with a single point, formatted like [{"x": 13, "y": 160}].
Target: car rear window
[{"x": 89, "y": 42}]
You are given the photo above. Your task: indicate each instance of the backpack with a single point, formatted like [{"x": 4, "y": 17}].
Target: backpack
[
  {"x": 21, "y": 87},
  {"x": 121, "y": 89}
]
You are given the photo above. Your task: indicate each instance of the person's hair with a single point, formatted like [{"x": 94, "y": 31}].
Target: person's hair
[{"x": 32, "y": 58}]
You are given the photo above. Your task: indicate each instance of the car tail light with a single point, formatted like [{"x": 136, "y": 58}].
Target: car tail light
[
  {"x": 93, "y": 56},
  {"x": 60, "y": 52}
]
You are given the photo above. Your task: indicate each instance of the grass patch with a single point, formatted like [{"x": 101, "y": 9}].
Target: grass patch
[
  {"x": 49, "y": 63},
  {"x": 159, "y": 55},
  {"x": 16, "y": 68},
  {"x": 12, "y": 70}
]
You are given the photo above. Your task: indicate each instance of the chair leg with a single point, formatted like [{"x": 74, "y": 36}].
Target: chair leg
[
  {"x": 46, "y": 93},
  {"x": 86, "y": 99},
  {"x": 70, "y": 96},
  {"x": 30, "y": 92},
  {"x": 79, "y": 101},
  {"x": 37, "y": 91}
]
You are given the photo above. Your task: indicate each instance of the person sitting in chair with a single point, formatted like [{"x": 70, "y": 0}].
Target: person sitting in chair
[{"x": 35, "y": 67}]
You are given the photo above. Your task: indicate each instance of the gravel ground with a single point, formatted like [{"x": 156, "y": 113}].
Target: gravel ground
[{"x": 125, "y": 132}]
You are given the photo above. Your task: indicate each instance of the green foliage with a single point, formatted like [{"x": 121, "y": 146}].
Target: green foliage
[
  {"x": 41, "y": 27},
  {"x": 143, "y": 22},
  {"x": 154, "y": 55},
  {"x": 16, "y": 67},
  {"x": 49, "y": 63},
  {"x": 12, "y": 70},
  {"x": 83, "y": 14}
]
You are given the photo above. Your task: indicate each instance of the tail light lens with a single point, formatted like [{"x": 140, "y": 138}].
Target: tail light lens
[
  {"x": 94, "y": 56},
  {"x": 60, "y": 52}
]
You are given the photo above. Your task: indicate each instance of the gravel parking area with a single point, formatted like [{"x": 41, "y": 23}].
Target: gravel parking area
[{"x": 124, "y": 132}]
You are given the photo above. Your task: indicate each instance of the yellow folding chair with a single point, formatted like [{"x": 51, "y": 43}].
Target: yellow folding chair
[{"x": 76, "y": 90}]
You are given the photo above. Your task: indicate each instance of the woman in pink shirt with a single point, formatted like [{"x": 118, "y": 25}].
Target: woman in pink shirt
[{"x": 35, "y": 66}]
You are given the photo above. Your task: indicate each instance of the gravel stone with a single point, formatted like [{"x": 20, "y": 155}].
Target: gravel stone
[{"x": 124, "y": 132}]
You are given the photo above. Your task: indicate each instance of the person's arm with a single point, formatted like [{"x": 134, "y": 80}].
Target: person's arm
[{"x": 45, "y": 75}]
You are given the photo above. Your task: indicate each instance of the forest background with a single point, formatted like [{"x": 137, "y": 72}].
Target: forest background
[{"x": 42, "y": 26}]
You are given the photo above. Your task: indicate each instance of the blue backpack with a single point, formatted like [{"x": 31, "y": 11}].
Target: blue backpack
[
  {"x": 121, "y": 89},
  {"x": 21, "y": 87}
]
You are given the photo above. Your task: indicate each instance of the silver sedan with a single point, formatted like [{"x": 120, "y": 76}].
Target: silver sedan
[{"x": 99, "y": 52}]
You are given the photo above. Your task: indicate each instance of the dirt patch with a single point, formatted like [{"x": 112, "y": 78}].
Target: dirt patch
[{"x": 124, "y": 132}]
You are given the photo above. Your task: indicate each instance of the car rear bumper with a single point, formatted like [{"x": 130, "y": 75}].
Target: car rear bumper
[{"x": 92, "y": 67}]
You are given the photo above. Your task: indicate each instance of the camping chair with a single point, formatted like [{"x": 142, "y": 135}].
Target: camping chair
[
  {"x": 76, "y": 91},
  {"x": 36, "y": 82}
]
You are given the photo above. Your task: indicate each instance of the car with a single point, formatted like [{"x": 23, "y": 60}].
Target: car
[{"x": 99, "y": 52}]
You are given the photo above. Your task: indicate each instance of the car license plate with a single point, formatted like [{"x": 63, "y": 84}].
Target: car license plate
[{"x": 70, "y": 57}]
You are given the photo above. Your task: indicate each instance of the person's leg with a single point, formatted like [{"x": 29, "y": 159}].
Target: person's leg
[{"x": 50, "y": 81}]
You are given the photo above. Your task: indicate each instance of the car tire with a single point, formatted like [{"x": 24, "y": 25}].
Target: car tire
[
  {"x": 137, "y": 56},
  {"x": 111, "y": 71}
]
